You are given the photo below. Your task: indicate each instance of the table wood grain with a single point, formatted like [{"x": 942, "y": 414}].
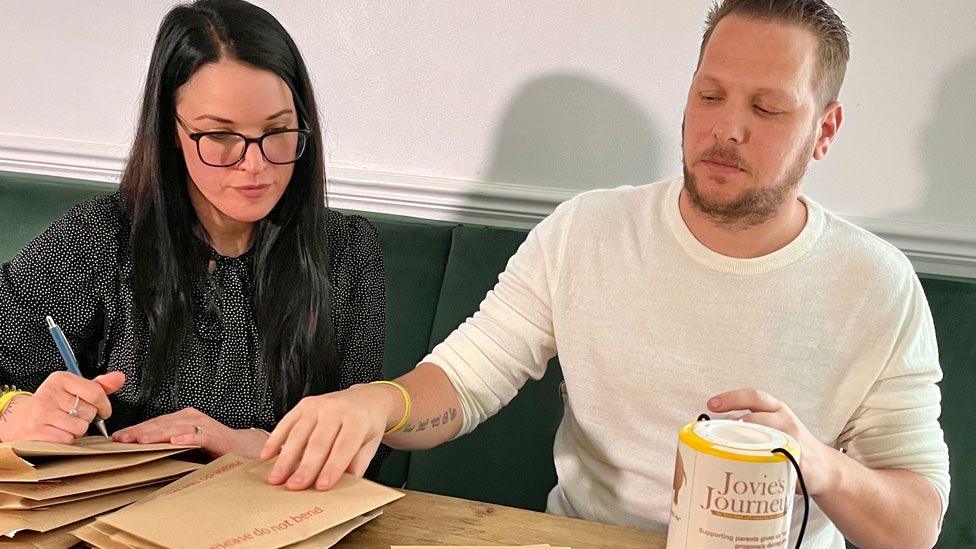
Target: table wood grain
[{"x": 420, "y": 518}]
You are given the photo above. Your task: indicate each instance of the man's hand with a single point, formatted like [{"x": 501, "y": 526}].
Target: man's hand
[{"x": 814, "y": 461}]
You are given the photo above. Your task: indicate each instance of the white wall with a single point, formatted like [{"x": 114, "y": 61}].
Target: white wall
[{"x": 493, "y": 111}]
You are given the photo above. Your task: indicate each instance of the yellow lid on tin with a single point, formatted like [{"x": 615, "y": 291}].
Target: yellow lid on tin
[{"x": 737, "y": 440}]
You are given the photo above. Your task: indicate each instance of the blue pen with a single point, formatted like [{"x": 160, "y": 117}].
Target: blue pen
[{"x": 69, "y": 359}]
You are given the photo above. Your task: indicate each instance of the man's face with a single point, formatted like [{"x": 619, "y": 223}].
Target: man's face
[{"x": 751, "y": 120}]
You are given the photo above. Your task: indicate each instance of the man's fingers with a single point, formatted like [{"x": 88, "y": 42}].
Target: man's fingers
[
  {"x": 320, "y": 444},
  {"x": 347, "y": 443},
  {"x": 291, "y": 452},
  {"x": 769, "y": 419},
  {"x": 273, "y": 445},
  {"x": 753, "y": 400},
  {"x": 360, "y": 462}
]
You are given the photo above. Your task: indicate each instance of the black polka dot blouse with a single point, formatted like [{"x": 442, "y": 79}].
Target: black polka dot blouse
[{"x": 78, "y": 272}]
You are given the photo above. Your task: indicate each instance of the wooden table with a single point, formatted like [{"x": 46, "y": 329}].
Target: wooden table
[{"x": 420, "y": 518}]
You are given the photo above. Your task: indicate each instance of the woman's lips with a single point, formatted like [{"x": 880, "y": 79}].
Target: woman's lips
[{"x": 252, "y": 191}]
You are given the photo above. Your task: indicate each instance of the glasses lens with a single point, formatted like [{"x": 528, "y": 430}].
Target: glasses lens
[
  {"x": 221, "y": 149},
  {"x": 284, "y": 147}
]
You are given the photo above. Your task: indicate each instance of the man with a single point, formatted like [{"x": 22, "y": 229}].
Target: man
[{"x": 660, "y": 299}]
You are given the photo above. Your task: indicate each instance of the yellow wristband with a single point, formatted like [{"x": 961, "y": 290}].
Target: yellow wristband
[
  {"x": 7, "y": 397},
  {"x": 406, "y": 401}
]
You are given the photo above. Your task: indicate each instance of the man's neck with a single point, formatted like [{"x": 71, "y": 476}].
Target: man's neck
[{"x": 745, "y": 242}]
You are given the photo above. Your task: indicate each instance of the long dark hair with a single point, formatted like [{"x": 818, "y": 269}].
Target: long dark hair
[{"x": 291, "y": 290}]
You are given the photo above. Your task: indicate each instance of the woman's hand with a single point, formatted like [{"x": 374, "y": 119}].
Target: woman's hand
[
  {"x": 326, "y": 435},
  {"x": 191, "y": 427},
  {"x": 61, "y": 409}
]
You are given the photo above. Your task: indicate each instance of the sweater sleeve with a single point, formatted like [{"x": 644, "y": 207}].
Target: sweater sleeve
[
  {"x": 897, "y": 424},
  {"x": 511, "y": 337}
]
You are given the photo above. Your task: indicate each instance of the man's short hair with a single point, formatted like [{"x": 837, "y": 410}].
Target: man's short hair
[{"x": 833, "y": 46}]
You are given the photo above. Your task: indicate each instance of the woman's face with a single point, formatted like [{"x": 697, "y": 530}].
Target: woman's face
[{"x": 231, "y": 96}]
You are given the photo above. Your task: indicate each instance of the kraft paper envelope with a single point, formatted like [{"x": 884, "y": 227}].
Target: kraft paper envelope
[
  {"x": 239, "y": 506},
  {"x": 45, "y": 520},
  {"x": 59, "y": 538},
  {"x": 546, "y": 546},
  {"x": 83, "y": 465},
  {"x": 335, "y": 534},
  {"x": 99, "y": 534},
  {"x": 103, "y": 536},
  {"x": 38, "y": 505},
  {"x": 14, "y": 456},
  {"x": 21, "y": 495}
]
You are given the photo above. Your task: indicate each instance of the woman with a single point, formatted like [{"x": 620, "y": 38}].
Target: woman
[{"x": 215, "y": 291}]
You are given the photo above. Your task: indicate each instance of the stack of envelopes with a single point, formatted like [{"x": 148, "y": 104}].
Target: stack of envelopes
[
  {"x": 228, "y": 502},
  {"x": 48, "y": 489},
  {"x": 541, "y": 546}
]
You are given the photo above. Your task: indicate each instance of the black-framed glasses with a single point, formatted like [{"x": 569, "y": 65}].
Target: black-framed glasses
[{"x": 222, "y": 148}]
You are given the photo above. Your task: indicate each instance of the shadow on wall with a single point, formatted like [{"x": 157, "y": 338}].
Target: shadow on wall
[
  {"x": 571, "y": 132},
  {"x": 947, "y": 145}
]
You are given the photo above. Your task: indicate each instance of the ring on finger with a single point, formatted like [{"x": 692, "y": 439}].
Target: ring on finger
[{"x": 74, "y": 409}]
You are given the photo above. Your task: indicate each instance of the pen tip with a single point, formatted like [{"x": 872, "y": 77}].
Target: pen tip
[{"x": 50, "y": 322}]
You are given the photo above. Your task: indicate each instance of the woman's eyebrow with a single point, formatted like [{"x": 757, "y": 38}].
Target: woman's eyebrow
[{"x": 226, "y": 121}]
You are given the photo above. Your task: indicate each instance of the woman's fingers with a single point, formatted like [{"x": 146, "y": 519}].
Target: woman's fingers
[
  {"x": 86, "y": 390},
  {"x": 185, "y": 417},
  {"x": 57, "y": 419}
]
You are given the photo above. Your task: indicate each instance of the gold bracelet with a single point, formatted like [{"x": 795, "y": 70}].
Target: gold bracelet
[
  {"x": 8, "y": 397},
  {"x": 406, "y": 400}
]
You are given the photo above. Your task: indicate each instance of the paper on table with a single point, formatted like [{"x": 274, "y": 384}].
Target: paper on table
[
  {"x": 44, "y": 520},
  {"x": 29, "y": 505},
  {"x": 104, "y": 536},
  {"x": 271, "y": 516},
  {"x": 14, "y": 455},
  {"x": 23, "y": 495},
  {"x": 82, "y": 465},
  {"x": 98, "y": 534},
  {"x": 59, "y": 538},
  {"x": 335, "y": 534}
]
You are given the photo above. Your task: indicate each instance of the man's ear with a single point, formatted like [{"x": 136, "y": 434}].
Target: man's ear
[{"x": 830, "y": 122}]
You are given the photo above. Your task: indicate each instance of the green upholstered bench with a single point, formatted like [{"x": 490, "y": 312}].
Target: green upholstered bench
[{"x": 437, "y": 274}]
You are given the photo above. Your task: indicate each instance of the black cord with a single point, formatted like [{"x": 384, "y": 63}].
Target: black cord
[{"x": 803, "y": 488}]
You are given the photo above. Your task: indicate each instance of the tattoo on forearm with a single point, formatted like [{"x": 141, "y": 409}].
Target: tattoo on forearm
[
  {"x": 433, "y": 422},
  {"x": 10, "y": 406}
]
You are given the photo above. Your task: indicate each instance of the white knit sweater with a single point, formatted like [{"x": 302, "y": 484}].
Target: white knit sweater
[{"x": 648, "y": 323}]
